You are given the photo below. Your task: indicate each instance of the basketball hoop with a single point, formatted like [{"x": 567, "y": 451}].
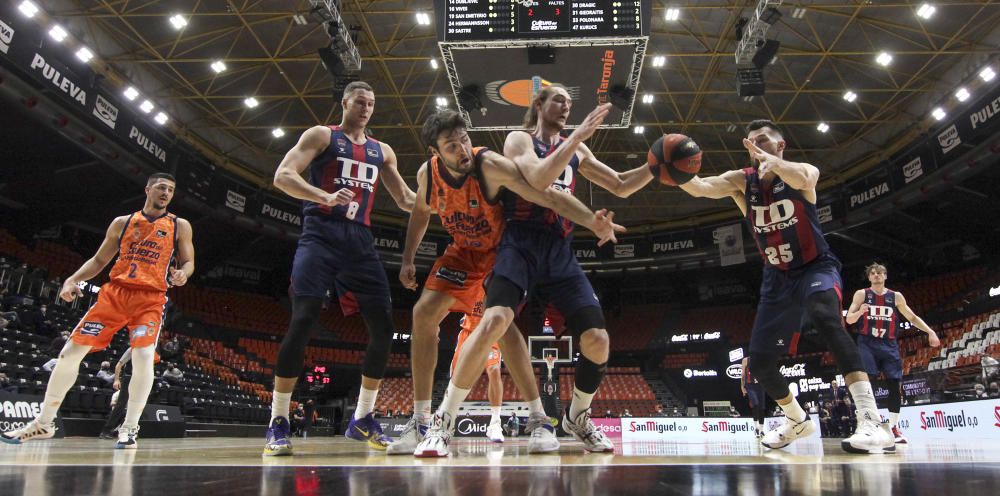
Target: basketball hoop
[{"x": 550, "y": 362}]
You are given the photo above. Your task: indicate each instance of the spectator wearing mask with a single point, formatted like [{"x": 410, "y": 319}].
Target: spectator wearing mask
[
  {"x": 173, "y": 375},
  {"x": 994, "y": 390},
  {"x": 105, "y": 374},
  {"x": 980, "y": 392},
  {"x": 659, "y": 411}
]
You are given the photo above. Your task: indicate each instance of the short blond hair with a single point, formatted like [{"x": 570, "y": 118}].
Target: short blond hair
[{"x": 531, "y": 116}]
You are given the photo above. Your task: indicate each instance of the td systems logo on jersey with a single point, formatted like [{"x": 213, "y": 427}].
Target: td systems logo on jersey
[
  {"x": 355, "y": 174},
  {"x": 941, "y": 419},
  {"x": 725, "y": 426},
  {"x": 774, "y": 217},
  {"x": 659, "y": 426}
]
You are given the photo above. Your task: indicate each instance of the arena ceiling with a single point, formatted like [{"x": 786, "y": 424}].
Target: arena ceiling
[{"x": 828, "y": 49}]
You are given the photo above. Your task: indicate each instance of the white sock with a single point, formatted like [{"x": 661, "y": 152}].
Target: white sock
[
  {"x": 581, "y": 401},
  {"x": 893, "y": 419},
  {"x": 140, "y": 385},
  {"x": 535, "y": 406},
  {"x": 366, "y": 402},
  {"x": 453, "y": 398},
  {"x": 280, "y": 404},
  {"x": 495, "y": 413},
  {"x": 63, "y": 377},
  {"x": 793, "y": 411},
  {"x": 864, "y": 401},
  {"x": 422, "y": 410}
]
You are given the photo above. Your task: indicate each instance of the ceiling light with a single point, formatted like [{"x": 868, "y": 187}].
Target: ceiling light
[
  {"x": 799, "y": 13},
  {"x": 218, "y": 66},
  {"x": 938, "y": 113},
  {"x": 434, "y": 63},
  {"x": 300, "y": 19},
  {"x": 639, "y": 129},
  {"x": 161, "y": 118},
  {"x": 850, "y": 96},
  {"x": 926, "y": 11},
  {"x": 962, "y": 94},
  {"x": 659, "y": 61},
  {"x": 987, "y": 74},
  {"x": 423, "y": 18},
  {"x": 251, "y": 102},
  {"x": 823, "y": 127},
  {"x": 672, "y": 14},
  {"x": 277, "y": 132},
  {"x": 147, "y": 106},
  {"x": 441, "y": 101},
  {"x": 883, "y": 59},
  {"x": 84, "y": 54},
  {"x": 28, "y": 8},
  {"x": 647, "y": 98},
  {"x": 131, "y": 93},
  {"x": 58, "y": 33},
  {"x": 178, "y": 21}
]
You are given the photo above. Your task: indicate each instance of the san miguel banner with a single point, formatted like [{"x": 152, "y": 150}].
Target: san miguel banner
[
  {"x": 25, "y": 49},
  {"x": 963, "y": 421}
]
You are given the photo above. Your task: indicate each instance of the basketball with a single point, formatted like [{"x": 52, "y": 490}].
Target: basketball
[{"x": 674, "y": 159}]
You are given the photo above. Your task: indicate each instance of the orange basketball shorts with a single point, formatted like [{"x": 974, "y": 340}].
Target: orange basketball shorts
[
  {"x": 139, "y": 311},
  {"x": 461, "y": 273}
]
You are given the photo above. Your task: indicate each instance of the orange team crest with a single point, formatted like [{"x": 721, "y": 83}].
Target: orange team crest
[{"x": 518, "y": 92}]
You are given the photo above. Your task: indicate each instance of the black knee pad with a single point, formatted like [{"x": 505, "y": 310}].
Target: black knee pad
[
  {"x": 584, "y": 319},
  {"x": 765, "y": 368},
  {"x": 825, "y": 312},
  {"x": 291, "y": 355},
  {"x": 502, "y": 292},
  {"x": 589, "y": 374},
  {"x": 379, "y": 323},
  {"x": 895, "y": 399}
]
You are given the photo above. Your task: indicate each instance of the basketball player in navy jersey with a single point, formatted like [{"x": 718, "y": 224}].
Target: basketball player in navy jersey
[
  {"x": 801, "y": 281},
  {"x": 755, "y": 396},
  {"x": 535, "y": 255},
  {"x": 876, "y": 308},
  {"x": 336, "y": 251}
]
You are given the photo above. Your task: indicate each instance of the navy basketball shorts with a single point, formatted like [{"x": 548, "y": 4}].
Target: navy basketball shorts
[
  {"x": 880, "y": 355},
  {"x": 340, "y": 255},
  {"x": 538, "y": 260},
  {"x": 784, "y": 296},
  {"x": 755, "y": 395}
]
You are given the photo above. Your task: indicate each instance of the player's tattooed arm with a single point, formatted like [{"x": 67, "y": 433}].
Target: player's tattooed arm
[
  {"x": 95, "y": 264},
  {"x": 288, "y": 177},
  {"x": 400, "y": 192},
  {"x": 916, "y": 320},
  {"x": 858, "y": 307},
  {"x": 620, "y": 184},
  {"x": 185, "y": 254},
  {"x": 420, "y": 217},
  {"x": 541, "y": 173}
]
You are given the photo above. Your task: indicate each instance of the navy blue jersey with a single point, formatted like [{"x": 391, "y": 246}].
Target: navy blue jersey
[
  {"x": 346, "y": 165},
  {"x": 881, "y": 320},
  {"x": 517, "y": 210},
  {"x": 784, "y": 223}
]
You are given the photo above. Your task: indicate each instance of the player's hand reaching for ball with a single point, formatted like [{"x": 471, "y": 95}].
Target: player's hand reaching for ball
[
  {"x": 408, "y": 275},
  {"x": 605, "y": 227},
  {"x": 766, "y": 160},
  {"x": 178, "y": 277},
  {"x": 70, "y": 291},
  {"x": 590, "y": 124},
  {"x": 339, "y": 197}
]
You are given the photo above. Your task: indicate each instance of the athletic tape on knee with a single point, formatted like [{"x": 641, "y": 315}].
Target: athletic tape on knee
[{"x": 589, "y": 374}]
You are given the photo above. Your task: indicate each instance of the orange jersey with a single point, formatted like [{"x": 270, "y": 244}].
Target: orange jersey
[
  {"x": 146, "y": 252},
  {"x": 469, "y": 323},
  {"x": 473, "y": 221}
]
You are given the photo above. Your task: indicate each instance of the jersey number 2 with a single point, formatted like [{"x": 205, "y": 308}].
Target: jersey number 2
[
  {"x": 781, "y": 254},
  {"x": 131, "y": 271}
]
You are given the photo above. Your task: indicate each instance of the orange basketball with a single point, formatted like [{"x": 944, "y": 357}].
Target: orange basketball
[{"x": 674, "y": 159}]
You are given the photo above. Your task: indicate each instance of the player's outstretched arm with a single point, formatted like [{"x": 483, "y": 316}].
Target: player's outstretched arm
[
  {"x": 915, "y": 319},
  {"x": 400, "y": 192},
  {"x": 798, "y": 175},
  {"x": 499, "y": 172},
  {"x": 288, "y": 177},
  {"x": 185, "y": 254},
  {"x": 858, "y": 307},
  {"x": 541, "y": 173},
  {"x": 726, "y": 185},
  {"x": 420, "y": 217},
  {"x": 620, "y": 184},
  {"x": 95, "y": 264}
]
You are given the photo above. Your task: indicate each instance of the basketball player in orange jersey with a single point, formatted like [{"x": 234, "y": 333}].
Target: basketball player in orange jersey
[
  {"x": 336, "y": 250},
  {"x": 462, "y": 184},
  {"x": 154, "y": 253},
  {"x": 494, "y": 387},
  {"x": 535, "y": 256},
  {"x": 876, "y": 308}
]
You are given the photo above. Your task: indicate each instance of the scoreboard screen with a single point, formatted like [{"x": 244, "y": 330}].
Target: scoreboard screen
[{"x": 498, "y": 20}]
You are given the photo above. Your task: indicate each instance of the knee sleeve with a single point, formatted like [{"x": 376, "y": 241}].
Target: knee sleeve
[
  {"x": 379, "y": 323},
  {"x": 895, "y": 399},
  {"x": 589, "y": 375},
  {"x": 824, "y": 310},
  {"x": 584, "y": 319},
  {"x": 502, "y": 292},
  {"x": 765, "y": 367},
  {"x": 291, "y": 355}
]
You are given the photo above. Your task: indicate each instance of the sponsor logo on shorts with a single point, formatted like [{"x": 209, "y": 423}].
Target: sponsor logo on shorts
[
  {"x": 140, "y": 331},
  {"x": 456, "y": 277},
  {"x": 816, "y": 284},
  {"x": 91, "y": 328}
]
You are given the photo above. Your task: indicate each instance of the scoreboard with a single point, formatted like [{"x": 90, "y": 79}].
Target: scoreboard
[{"x": 497, "y": 20}]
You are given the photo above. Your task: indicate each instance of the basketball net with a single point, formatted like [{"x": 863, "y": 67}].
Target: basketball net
[{"x": 550, "y": 362}]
